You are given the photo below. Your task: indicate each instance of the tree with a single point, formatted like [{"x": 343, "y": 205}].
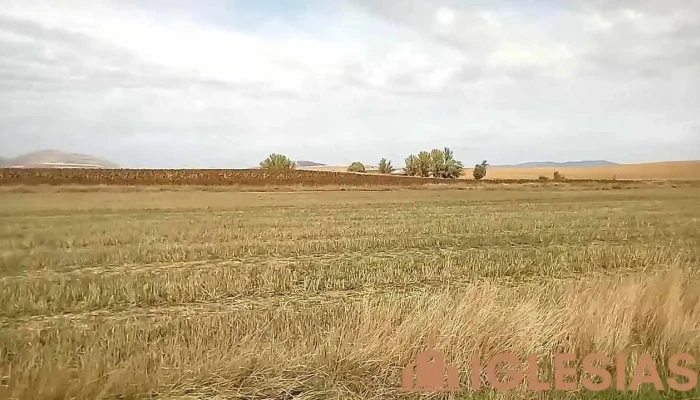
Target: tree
[
  {"x": 453, "y": 168},
  {"x": 356, "y": 167},
  {"x": 385, "y": 166},
  {"x": 438, "y": 168},
  {"x": 480, "y": 171},
  {"x": 411, "y": 168},
  {"x": 424, "y": 162},
  {"x": 277, "y": 162},
  {"x": 436, "y": 163},
  {"x": 444, "y": 165}
]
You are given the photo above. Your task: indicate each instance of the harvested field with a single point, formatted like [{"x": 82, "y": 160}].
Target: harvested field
[
  {"x": 671, "y": 170},
  {"x": 198, "y": 177},
  {"x": 187, "y": 293},
  {"x": 255, "y": 178},
  {"x": 674, "y": 170}
]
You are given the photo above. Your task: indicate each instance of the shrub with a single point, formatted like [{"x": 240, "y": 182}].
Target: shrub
[
  {"x": 277, "y": 162},
  {"x": 479, "y": 172},
  {"x": 543, "y": 178},
  {"x": 385, "y": 166},
  {"x": 356, "y": 167},
  {"x": 558, "y": 176}
]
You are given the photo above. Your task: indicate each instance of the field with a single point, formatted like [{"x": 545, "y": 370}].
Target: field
[
  {"x": 673, "y": 170},
  {"x": 677, "y": 170},
  {"x": 329, "y": 176},
  {"x": 200, "y": 177},
  {"x": 189, "y": 293}
]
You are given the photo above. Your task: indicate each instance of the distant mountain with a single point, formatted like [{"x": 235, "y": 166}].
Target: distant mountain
[
  {"x": 304, "y": 163},
  {"x": 570, "y": 164},
  {"x": 57, "y": 159}
]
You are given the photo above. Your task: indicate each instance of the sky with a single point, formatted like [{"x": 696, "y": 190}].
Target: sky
[{"x": 224, "y": 83}]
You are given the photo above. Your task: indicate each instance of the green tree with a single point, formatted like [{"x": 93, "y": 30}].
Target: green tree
[
  {"x": 424, "y": 162},
  {"x": 437, "y": 163},
  {"x": 480, "y": 170},
  {"x": 453, "y": 168},
  {"x": 277, "y": 162},
  {"x": 385, "y": 166},
  {"x": 444, "y": 165},
  {"x": 438, "y": 168},
  {"x": 356, "y": 167},
  {"x": 411, "y": 167}
]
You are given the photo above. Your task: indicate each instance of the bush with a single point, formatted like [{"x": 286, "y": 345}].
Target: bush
[
  {"x": 558, "y": 176},
  {"x": 356, "y": 167},
  {"x": 479, "y": 172},
  {"x": 277, "y": 162},
  {"x": 543, "y": 178},
  {"x": 385, "y": 166}
]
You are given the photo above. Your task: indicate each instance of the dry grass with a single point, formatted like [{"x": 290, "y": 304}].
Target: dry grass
[
  {"x": 672, "y": 170},
  {"x": 310, "y": 295}
]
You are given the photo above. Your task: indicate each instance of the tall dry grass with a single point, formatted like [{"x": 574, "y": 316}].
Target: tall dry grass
[{"x": 329, "y": 295}]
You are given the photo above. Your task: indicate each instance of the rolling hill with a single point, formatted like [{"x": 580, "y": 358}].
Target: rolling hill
[
  {"x": 305, "y": 163},
  {"x": 566, "y": 164},
  {"x": 56, "y": 159}
]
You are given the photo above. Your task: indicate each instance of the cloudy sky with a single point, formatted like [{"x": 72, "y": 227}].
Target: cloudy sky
[{"x": 223, "y": 83}]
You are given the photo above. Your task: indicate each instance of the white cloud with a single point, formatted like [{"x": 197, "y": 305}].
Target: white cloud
[
  {"x": 341, "y": 83},
  {"x": 445, "y": 16}
]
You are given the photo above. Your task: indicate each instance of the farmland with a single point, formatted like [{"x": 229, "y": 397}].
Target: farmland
[
  {"x": 327, "y": 176},
  {"x": 670, "y": 170},
  {"x": 199, "y": 177},
  {"x": 195, "y": 293}
]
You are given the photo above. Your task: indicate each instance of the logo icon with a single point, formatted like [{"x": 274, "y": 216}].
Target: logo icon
[{"x": 430, "y": 372}]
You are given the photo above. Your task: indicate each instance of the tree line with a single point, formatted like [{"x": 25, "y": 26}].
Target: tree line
[{"x": 436, "y": 163}]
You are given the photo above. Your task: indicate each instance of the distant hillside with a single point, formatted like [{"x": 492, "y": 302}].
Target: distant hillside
[
  {"x": 567, "y": 164},
  {"x": 304, "y": 163},
  {"x": 57, "y": 159}
]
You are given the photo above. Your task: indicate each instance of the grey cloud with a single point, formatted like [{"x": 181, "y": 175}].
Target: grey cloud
[
  {"x": 70, "y": 91},
  {"x": 650, "y": 6},
  {"x": 637, "y": 48},
  {"x": 417, "y": 16},
  {"x": 623, "y": 50},
  {"x": 31, "y": 68}
]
